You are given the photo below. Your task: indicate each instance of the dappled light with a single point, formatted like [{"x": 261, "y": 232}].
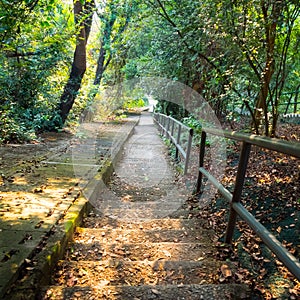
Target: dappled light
[{"x": 149, "y": 149}]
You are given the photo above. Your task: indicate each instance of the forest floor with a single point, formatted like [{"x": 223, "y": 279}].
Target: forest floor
[{"x": 271, "y": 193}]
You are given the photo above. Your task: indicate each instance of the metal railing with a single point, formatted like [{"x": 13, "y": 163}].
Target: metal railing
[
  {"x": 236, "y": 208},
  {"x": 172, "y": 129}
]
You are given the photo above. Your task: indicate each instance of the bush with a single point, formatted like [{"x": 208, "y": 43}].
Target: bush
[
  {"x": 12, "y": 130},
  {"x": 194, "y": 124},
  {"x": 20, "y": 125},
  {"x": 133, "y": 103}
]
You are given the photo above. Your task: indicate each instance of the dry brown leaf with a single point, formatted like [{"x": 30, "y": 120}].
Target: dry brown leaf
[{"x": 226, "y": 271}]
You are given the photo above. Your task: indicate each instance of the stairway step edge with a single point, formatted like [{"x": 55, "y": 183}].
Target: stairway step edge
[
  {"x": 161, "y": 262},
  {"x": 90, "y": 235},
  {"x": 100, "y": 222},
  {"x": 179, "y": 244},
  {"x": 141, "y": 251},
  {"x": 100, "y": 217},
  {"x": 147, "y": 292},
  {"x": 155, "y": 230}
]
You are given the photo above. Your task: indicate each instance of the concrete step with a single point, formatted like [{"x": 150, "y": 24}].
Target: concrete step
[
  {"x": 184, "y": 235},
  {"x": 141, "y": 186},
  {"x": 149, "y": 292},
  {"x": 138, "y": 192},
  {"x": 134, "y": 252},
  {"x": 141, "y": 200},
  {"x": 167, "y": 202},
  {"x": 120, "y": 272},
  {"x": 99, "y": 221},
  {"x": 128, "y": 213},
  {"x": 139, "y": 215},
  {"x": 93, "y": 249}
]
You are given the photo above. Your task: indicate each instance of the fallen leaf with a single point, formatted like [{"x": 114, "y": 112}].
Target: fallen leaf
[
  {"x": 167, "y": 253},
  {"x": 226, "y": 271}
]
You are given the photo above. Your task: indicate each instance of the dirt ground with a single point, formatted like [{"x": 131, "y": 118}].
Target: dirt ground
[{"x": 18, "y": 159}]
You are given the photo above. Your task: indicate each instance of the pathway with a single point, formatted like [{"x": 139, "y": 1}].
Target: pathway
[{"x": 138, "y": 242}]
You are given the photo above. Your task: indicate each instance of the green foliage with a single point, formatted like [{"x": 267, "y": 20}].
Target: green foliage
[
  {"x": 171, "y": 147},
  {"x": 193, "y": 123},
  {"x": 21, "y": 125},
  {"x": 171, "y": 109},
  {"x": 33, "y": 54},
  {"x": 115, "y": 18},
  {"x": 133, "y": 103},
  {"x": 12, "y": 129},
  {"x": 222, "y": 49}
]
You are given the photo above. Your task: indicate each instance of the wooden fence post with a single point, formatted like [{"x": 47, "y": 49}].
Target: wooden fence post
[
  {"x": 238, "y": 188},
  {"x": 201, "y": 160}
]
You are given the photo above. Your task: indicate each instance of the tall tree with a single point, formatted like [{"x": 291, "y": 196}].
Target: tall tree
[
  {"x": 232, "y": 52},
  {"x": 262, "y": 32},
  {"x": 115, "y": 17},
  {"x": 35, "y": 40},
  {"x": 108, "y": 19},
  {"x": 83, "y": 15}
]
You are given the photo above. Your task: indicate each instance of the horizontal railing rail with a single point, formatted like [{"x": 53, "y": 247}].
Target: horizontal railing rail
[
  {"x": 236, "y": 208},
  {"x": 282, "y": 146},
  {"x": 169, "y": 127}
]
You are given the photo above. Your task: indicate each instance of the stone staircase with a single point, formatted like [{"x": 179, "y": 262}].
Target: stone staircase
[
  {"x": 139, "y": 243},
  {"x": 157, "y": 259}
]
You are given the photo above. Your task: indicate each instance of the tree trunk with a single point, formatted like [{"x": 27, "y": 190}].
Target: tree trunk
[
  {"x": 105, "y": 43},
  {"x": 261, "y": 109},
  {"x": 100, "y": 66},
  {"x": 296, "y": 99},
  {"x": 81, "y": 11}
]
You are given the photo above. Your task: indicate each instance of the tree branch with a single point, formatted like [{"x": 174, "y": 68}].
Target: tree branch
[{"x": 24, "y": 54}]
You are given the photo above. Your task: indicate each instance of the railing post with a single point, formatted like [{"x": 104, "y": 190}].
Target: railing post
[
  {"x": 159, "y": 122},
  {"x": 168, "y": 127},
  {"x": 188, "y": 150},
  {"x": 177, "y": 142},
  {"x": 173, "y": 125},
  {"x": 201, "y": 160},
  {"x": 164, "y": 124},
  {"x": 239, "y": 183},
  {"x": 172, "y": 129}
]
